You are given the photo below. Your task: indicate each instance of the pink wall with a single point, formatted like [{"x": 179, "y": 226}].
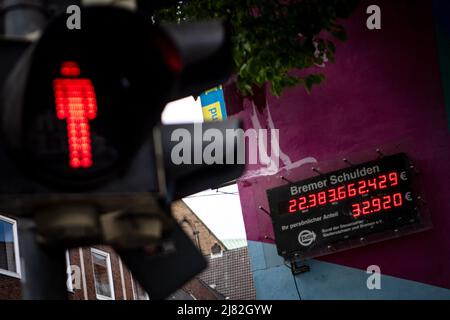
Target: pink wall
[{"x": 383, "y": 91}]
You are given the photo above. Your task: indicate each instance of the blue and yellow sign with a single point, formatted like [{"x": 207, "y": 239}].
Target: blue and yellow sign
[{"x": 213, "y": 104}]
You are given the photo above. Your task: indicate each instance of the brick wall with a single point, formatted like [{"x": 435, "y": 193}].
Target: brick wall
[
  {"x": 230, "y": 274},
  {"x": 195, "y": 228},
  {"x": 123, "y": 288},
  {"x": 10, "y": 288},
  {"x": 202, "y": 291}
]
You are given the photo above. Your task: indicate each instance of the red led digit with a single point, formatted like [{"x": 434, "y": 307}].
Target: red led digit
[
  {"x": 372, "y": 183},
  {"x": 376, "y": 204},
  {"x": 302, "y": 203},
  {"x": 366, "y": 206},
  {"x": 292, "y": 206},
  {"x": 312, "y": 200},
  {"x": 387, "y": 202},
  {"x": 398, "y": 200},
  {"x": 351, "y": 190},
  {"x": 341, "y": 193},
  {"x": 382, "y": 182},
  {"x": 322, "y": 198},
  {"x": 393, "y": 179},
  {"x": 332, "y": 195},
  {"x": 362, "y": 187},
  {"x": 356, "y": 210},
  {"x": 77, "y": 104}
]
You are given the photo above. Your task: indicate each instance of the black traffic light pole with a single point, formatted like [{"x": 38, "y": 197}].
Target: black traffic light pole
[{"x": 43, "y": 269}]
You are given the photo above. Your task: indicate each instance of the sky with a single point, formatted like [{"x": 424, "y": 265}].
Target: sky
[{"x": 219, "y": 209}]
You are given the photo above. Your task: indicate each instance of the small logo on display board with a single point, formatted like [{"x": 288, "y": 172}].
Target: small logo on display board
[{"x": 306, "y": 238}]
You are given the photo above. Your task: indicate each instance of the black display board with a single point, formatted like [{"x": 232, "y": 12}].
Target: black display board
[{"x": 350, "y": 207}]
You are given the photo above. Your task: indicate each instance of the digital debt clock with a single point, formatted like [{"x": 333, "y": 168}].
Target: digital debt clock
[{"x": 345, "y": 208}]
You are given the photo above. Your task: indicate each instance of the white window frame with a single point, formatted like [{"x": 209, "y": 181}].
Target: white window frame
[
  {"x": 8, "y": 273},
  {"x": 109, "y": 270},
  {"x": 69, "y": 273}
]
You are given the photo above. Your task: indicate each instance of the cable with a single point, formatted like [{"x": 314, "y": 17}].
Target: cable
[
  {"x": 218, "y": 193},
  {"x": 209, "y": 195},
  {"x": 230, "y": 193},
  {"x": 296, "y": 287},
  {"x": 295, "y": 282}
]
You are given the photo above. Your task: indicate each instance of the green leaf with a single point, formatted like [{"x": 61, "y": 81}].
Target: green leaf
[{"x": 271, "y": 38}]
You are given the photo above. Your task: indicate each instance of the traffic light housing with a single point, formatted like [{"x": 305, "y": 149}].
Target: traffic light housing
[
  {"x": 81, "y": 143},
  {"x": 130, "y": 79}
]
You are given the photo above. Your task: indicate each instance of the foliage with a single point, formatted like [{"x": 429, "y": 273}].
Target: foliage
[{"x": 273, "y": 37}]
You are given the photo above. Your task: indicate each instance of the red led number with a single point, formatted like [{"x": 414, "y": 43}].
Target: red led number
[
  {"x": 312, "y": 200},
  {"x": 398, "y": 200},
  {"x": 377, "y": 204},
  {"x": 322, "y": 198},
  {"x": 356, "y": 210},
  {"x": 292, "y": 205},
  {"x": 366, "y": 207},
  {"x": 362, "y": 187},
  {"x": 352, "y": 190},
  {"x": 302, "y": 203},
  {"x": 393, "y": 179},
  {"x": 77, "y": 104},
  {"x": 382, "y": 182},
  {"x": 332, "y": 195},
  {"x": 341, "y": 193},
  {"x": 372, "y": 183},
  {"x": 387, "y": 202}
]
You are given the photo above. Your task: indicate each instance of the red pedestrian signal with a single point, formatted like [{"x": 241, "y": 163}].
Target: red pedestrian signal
[
  {"x": 76, "y": 103},
  {"x": 127, "y": 67}
]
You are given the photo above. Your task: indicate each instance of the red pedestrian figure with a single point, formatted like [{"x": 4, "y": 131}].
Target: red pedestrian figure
[{"x": 77, "y": 104}]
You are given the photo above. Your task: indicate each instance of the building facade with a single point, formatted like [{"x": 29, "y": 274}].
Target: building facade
[
  {"x": 94, "y": 273},
  {"x": 228, "y": 273},
  {"x": 97, "y": 272}
]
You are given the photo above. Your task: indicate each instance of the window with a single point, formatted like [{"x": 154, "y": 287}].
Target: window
[
  {"x": 101, "y": 263},
  {"x": 139, "y": 292},
  {"x": 9, "y": 248},
  {"x": 216, "y": 251}
]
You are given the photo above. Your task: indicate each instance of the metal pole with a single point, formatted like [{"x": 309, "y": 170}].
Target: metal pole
[
  {"x": 44, "y": 270},
  {"x": 23, "y": 17}
]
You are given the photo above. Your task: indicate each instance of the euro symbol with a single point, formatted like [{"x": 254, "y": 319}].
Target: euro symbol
[
  {"x": 408, "y": 196},
  {"x": 403, "y": 176}
]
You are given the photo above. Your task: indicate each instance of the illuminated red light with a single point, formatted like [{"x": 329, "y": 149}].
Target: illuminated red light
[
  {"x": 77, "y": 104},
  {"x": 173, "y": 60},
  {"x": 358, "y": 188},
  {"x": 70, "y": 69},
  {"x": 171, "y": 55}
]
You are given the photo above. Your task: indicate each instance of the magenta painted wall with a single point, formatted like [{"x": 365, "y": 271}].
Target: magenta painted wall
[{"x": 384, "y": 91}]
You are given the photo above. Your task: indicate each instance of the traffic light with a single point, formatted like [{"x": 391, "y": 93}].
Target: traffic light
[
  {"x": 82, "y": 148},
  {"x": 121, "y": 63}
]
